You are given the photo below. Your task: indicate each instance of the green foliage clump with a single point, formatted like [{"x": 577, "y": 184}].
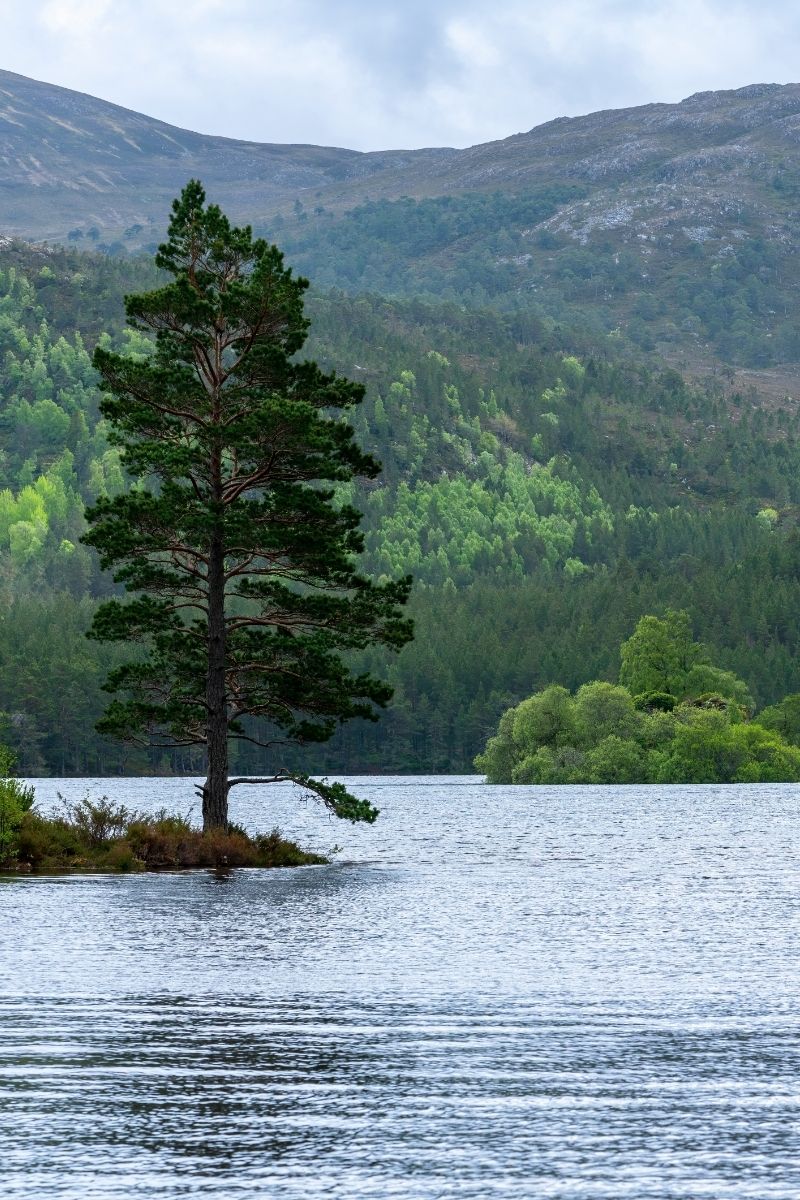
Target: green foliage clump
[
  {"x": 783, "y": 718},
  {"x": 16, "y": 799},
  {"x": 655, "y": 701},
  {"x": 615, "y": 759},
  {"x": 712, "y": 749},
  {"x": 604, "y": 734},
  {"x": 661, "y": 658}
]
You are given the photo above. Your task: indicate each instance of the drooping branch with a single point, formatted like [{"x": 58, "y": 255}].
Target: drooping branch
[{"x": 334, "y": 796}]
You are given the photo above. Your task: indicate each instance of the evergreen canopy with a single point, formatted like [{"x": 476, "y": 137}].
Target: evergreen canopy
[{"x": 241, "y": 564}]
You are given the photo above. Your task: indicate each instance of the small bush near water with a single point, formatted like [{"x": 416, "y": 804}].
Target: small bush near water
[{"x": 98, "y": 835}]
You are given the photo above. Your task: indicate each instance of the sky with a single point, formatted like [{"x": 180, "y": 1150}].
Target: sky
[{"x": 395, "y": 73}]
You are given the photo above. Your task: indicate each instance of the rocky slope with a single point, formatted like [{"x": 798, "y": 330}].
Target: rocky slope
[{"x": 65, "y": 155}]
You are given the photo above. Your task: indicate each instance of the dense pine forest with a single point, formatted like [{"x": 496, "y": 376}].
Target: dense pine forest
[{"x": 544, "y": 490}]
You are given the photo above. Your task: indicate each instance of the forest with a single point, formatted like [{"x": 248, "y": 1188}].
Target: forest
[
  {"x": 691, "y": 290},
  {"x": 544, "y": 488}
]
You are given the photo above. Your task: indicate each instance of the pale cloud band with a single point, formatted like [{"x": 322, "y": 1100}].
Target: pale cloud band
[{"x": 398, "y": 73}]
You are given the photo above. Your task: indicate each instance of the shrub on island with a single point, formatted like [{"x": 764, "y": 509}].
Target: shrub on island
[
  {"x": 16, "y": 800},
  {"x": 97, "y": 835}
]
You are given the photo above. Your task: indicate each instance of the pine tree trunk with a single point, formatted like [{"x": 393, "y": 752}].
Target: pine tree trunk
[{"x": 215, "y": 789}]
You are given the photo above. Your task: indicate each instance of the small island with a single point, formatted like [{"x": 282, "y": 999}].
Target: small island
[
  {"x": 98, "y": 835},
  {"x": 674, "y": 717}
]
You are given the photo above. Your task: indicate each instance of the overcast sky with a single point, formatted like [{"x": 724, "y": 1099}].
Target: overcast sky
[{"x": 394, "y": 73}]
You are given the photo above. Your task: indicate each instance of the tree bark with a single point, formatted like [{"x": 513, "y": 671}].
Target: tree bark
[{"x": 215, "y": 789}]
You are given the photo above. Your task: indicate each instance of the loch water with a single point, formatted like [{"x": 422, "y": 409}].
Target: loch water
[{"x": 582, "y": 993}]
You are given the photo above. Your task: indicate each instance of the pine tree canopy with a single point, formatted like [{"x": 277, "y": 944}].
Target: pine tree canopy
[{"x": 245, "y": 598}]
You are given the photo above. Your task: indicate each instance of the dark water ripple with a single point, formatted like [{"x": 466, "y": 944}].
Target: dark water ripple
[{"x": 576, "y": 993}]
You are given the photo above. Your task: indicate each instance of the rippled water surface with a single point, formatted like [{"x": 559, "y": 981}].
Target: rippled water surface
[{"x": 528, "y": 992}]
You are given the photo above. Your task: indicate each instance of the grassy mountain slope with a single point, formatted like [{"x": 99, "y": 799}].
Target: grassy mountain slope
[{"x": 69, "y": 159}]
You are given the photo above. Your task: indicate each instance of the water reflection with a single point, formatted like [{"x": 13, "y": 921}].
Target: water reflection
[{"x": 574, "y": 994}]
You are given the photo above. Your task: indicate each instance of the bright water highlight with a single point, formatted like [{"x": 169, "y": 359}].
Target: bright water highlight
[{"x": 583, "y": 993}]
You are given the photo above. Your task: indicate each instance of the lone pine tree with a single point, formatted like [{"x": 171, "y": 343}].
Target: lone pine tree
[{"x": 240, "y": 565}]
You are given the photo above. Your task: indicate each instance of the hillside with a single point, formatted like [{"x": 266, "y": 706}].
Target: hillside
[
  {"x": 510, "y": 307},
  {"x": 544, "y": 491},
  {"x": 68, "y": 159},
  {"x": 672, "y": 226}
]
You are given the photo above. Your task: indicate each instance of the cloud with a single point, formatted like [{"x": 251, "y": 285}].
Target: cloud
[
  {"x": 73, "y": 17},
  {"x": 399, "y": 73}
]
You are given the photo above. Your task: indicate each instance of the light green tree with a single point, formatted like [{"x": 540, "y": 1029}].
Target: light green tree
[
  {"x": 498, "y": 759},
  {"x": 546, "y": 719},
  {"x": 617, "y": 760},
  {"x": 783, "y": 718},
  {"x": 659, "y": 654},
  {"x": 602, "y": 710},
  {"x": 705, "y": 678}
]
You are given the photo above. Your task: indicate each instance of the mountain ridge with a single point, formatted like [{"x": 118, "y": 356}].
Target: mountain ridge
[
  {"x": 673, "y": 226},
  {"x": 94, "y": 148},
  {"x": 114, "y": 140}
]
